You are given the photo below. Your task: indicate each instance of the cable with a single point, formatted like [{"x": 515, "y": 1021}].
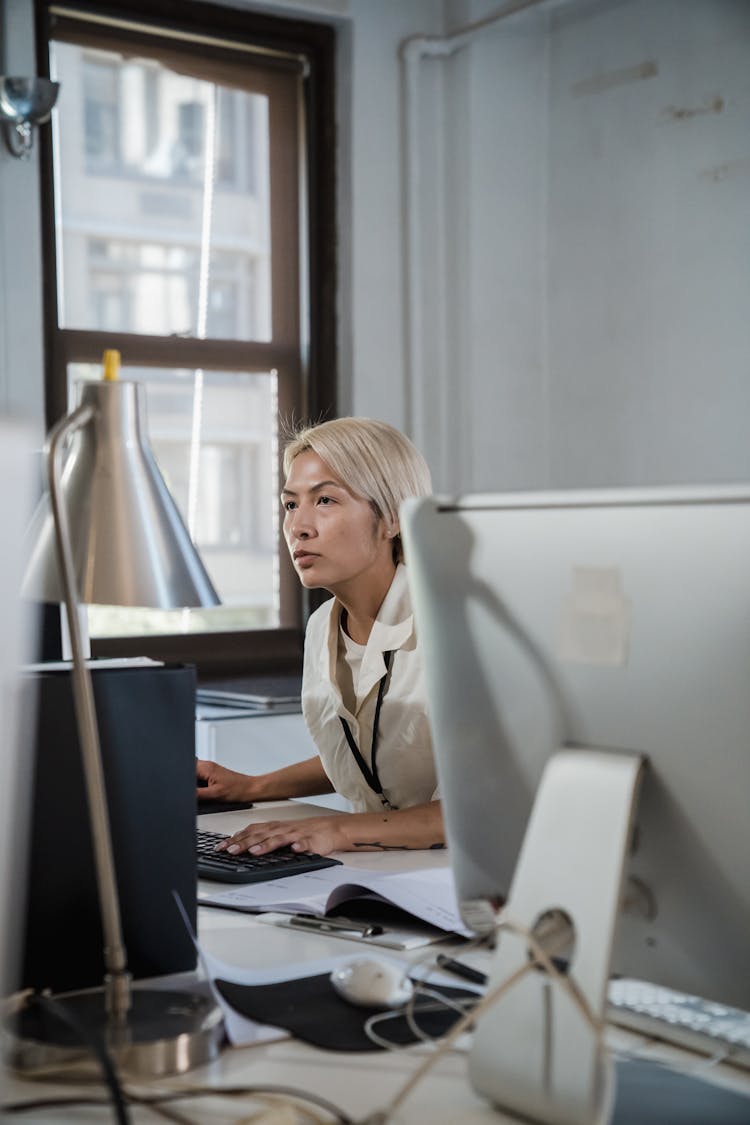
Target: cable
[
  {"x": 158, "y": 1102},
  {"x": 410, "y": 1009},
  {"x": 565, "y": 980},
  {"x": 379, "y": 1117},
  {"x": 50, "y": 1103},
  {"x": 166, "y": 1112},
  {"x": 409, "y": 1013},
  {"x": 442, "y": 1002},
  {"x": 382, "y": 1117},
  {"x": 96, "y": 1045},
  {"x": 339, "y": 1116}
]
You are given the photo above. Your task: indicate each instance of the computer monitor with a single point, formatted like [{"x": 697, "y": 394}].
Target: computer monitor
[{"x": 617, "y": 620}]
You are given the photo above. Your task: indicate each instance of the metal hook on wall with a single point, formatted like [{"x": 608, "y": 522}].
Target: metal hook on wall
[{"x": 24, "y": 104}]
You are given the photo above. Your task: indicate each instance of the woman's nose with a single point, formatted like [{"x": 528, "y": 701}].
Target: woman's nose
[{"x": 299, "y": 525}]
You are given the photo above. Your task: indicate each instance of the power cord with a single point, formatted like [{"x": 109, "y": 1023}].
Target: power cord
[
  {"x": 159, "y": 1103},
  {"x": 409, "y": 1013},
  {"x": 539, "y": 957},
  {"x": 411, "y": 1010},
  {"x": 95, "y": 1044},
  {"x": 287, "y": 1096}
]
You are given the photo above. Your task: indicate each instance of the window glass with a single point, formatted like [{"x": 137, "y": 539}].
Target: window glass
[
  {"x": 183, "y": 170},
  {"x": 163, "y": 200}
]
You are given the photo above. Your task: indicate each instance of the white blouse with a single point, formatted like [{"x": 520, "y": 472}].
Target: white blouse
[{"x": 404, "y": 758}]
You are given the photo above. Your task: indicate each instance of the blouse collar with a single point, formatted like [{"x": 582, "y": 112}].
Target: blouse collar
[{"x": 392, "y": 628}]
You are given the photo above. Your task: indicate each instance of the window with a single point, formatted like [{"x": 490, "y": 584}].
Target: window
[
  {"x": 181, "y": 181},
  {"x": 101, "y": 128}
]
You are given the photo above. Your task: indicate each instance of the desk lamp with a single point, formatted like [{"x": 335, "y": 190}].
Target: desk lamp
[{"x": 112, "y": 535}]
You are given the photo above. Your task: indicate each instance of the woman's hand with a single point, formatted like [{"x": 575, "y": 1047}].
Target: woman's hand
[
  {"x": 418, "y": 827},
  {"x": 319, "y": 834},
  {"x": 223, "y": 784}
]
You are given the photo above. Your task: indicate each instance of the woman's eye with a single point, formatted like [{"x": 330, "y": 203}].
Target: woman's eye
[
  {"x": 289, "y": 505},
  {"x": 324, "y": 500}
]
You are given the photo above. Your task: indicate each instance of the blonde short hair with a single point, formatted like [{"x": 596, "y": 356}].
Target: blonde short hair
[{"x": 376, "y": 460}]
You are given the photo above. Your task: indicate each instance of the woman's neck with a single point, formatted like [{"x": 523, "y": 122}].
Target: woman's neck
[{"x": 360, "y": 607}]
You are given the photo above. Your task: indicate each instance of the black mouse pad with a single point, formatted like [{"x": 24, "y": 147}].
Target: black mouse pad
[{"x": 311, "y": 1010}]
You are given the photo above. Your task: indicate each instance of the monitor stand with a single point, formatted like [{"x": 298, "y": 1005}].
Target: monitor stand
[{"x": 534, "y": 1053}]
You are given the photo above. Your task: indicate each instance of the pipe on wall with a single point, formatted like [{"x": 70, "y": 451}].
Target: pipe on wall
[{"x": 412, "y": 51}]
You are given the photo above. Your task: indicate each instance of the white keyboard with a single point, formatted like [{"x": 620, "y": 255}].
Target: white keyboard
[{"x": 700, "y": 1025}]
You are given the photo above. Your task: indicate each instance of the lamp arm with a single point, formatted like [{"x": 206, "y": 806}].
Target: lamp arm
[{"x": 117, "y": 979}]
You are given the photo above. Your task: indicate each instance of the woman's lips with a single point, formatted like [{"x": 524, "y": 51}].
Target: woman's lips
[{"x": 304, "y": 558}]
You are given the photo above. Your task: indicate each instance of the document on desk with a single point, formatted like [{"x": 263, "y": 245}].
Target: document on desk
[
  {"x": 428, "y": 895},
  {"x": 241, "y": 1031}
]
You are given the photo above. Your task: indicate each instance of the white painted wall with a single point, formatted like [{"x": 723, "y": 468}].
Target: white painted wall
[
  {"x": 378, "y": 387},
  {"x": 596, "y": 182},
  {"x": 583, "y": 239},
  {"x": 21, "y": 353},
  {"x": 648, "y": 272}
]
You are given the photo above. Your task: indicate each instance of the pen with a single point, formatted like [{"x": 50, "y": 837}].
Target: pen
[
  {"x": 335, "y": 925},
  {"x": 460, "y": 970}
]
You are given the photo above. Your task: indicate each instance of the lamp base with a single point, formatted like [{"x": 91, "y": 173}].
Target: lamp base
[{"x": 166, "y": 1032}]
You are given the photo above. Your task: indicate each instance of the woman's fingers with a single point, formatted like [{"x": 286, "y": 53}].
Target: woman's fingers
[
  {"x": 217, "y": 781},
  {"x": 256, "y": 835},
  {"x": 311, "y": 835}
]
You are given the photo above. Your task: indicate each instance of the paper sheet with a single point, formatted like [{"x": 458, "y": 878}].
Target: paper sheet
[
  {"x": 241, "y": 1031},
  {"x": 428, "y": 895}
]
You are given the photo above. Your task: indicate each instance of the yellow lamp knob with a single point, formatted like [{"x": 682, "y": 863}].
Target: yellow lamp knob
[{"x": 111, "y": 362}]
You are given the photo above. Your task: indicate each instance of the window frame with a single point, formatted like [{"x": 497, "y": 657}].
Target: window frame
[{"x": 304, "y": 354}]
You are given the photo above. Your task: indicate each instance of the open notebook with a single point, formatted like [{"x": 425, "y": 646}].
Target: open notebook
[{"x": 414, "y": 907}]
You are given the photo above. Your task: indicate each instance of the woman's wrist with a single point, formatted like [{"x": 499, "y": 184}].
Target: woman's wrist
[
  {"x": 364, "y": 830},
  {"x": 420, "y": 826},
  {"x": 260, "y": 787}
]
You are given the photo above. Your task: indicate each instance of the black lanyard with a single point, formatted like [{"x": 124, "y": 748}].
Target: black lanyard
[{"x": 370, "y": 774}]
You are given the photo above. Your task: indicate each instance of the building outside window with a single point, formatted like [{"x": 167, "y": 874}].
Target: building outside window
[{"x": 181, "y": 176}]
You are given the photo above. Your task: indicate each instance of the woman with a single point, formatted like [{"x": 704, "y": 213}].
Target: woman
[{"x": 362, "y": 690}]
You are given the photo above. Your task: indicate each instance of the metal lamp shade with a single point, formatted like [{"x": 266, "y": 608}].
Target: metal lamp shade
[{"x": 130, "y": 544}]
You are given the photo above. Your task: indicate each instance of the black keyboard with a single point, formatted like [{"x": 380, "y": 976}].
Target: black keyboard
[
  {"x": 214, "y": 804},
  {"x": 245, "y": 868}
]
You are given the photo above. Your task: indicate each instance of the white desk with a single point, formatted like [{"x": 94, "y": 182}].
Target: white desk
[{"x": 358, "y": 1083}]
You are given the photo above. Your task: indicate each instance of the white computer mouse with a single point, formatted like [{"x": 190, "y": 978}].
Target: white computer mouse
[{"x": 370, "y": 982}]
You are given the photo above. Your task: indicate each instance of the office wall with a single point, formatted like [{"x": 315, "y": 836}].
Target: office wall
[
  {"x": 21, "y": 355},
  {"x": 649, "y": 243},
  {"x": 597, "y": 225},
  {"x": 578, "y": 237},
  {"x": 579, "y": 312}
]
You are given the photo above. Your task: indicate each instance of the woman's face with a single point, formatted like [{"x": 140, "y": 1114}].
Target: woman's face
[{"x": 335, "y": 539}]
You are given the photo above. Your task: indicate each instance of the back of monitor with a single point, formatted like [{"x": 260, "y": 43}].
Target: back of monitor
[{"x": 618, "y": 620}]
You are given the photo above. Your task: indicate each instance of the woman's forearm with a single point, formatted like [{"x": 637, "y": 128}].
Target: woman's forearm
[
  {"x": 418, "y": 827},
  {"x": 303, "y": 779}
]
